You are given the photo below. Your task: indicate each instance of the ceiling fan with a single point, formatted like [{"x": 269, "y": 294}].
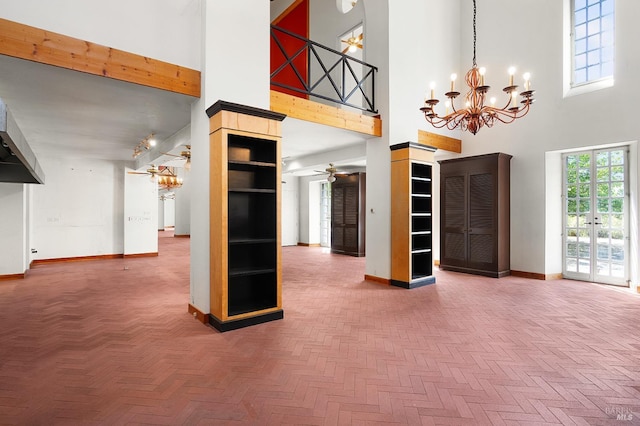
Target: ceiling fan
[
  {"x": 332, "y": 172},
  {"x": 353, "y": 43},
  {"x": 185, "y": 155},
  {"x": 153, "y": 171}
]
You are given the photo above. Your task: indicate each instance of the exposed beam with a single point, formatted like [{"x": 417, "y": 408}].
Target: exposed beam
[
  {"x": 46, "y": 47},
  {"x": 315, "y": 112},
  {"x": 438, "y": 141}
]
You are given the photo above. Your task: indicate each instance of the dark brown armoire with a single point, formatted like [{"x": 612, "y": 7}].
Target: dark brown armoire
[
  {"x": 348, "y": 214},
  {"x": 474, "y": 214}
]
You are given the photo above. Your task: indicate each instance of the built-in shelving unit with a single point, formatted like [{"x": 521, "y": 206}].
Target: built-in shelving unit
[
  {"x": 246, "y": 286},
  {"x": 411, "y": 215}
]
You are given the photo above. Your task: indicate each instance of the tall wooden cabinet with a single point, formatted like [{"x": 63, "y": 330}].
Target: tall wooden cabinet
[
  {"x": 474, "y": 214},
  {"x": 348, "y": 211},
  {"x": 411, "y": 215},
  {"x": 245, "y": 259}
]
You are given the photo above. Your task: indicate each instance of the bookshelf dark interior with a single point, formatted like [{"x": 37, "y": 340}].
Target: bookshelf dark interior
[
  {"x": 421, "y": 221},
  {"x": 252, "y": 227}
]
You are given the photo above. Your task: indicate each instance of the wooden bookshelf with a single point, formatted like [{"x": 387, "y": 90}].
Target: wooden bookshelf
[
  {"x": 245, "y": 191},
  {"x": 411, "y": 215}
]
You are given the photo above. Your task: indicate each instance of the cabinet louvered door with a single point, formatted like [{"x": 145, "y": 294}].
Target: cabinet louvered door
[
  {"x": 347, "y": 214},
  {"x": 337, "y": 218},
  {"x": 454, "y": 220},
  {"x": 474, "y": 208},
  {"x": 482, "y": 244}
]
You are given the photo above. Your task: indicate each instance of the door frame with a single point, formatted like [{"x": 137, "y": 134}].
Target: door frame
[{"x": 593, "y": 276}]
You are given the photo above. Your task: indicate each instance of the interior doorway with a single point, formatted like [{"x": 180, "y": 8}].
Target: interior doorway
[
  {"x": 595, "y": 216},
  {"x": 325, "y": 214}
]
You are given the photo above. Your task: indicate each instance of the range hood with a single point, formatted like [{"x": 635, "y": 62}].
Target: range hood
[{"x": 18, "y": 163}]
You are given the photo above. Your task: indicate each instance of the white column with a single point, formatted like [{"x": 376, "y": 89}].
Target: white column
[
  {"x": 183, "y": 205},
  {"x": 404, "y": 70},
  {"x": 160, "y": 214},
  {"x": 236, "y": 63}
]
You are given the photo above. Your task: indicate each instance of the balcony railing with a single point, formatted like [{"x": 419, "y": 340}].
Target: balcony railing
[{"x": 304, "y": 67}]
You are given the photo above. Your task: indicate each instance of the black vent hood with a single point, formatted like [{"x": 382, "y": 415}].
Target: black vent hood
[{"x": 18, "y": 163}]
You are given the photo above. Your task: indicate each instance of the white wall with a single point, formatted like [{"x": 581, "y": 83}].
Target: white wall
[
  {"x": 555, "y": 123},
  {"x": 140, "y": 214},
  {"x": 79, "y": 210},
  {"x": 12, "y": 228},
  {"x": 289, "y": 210},
  {"x": 183, "y": 205},
  {"x": 168, "y": 30}
]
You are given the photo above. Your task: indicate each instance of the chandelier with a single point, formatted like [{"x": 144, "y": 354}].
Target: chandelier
[
  {"x": 167, "y": 178},
  {"x": 476, "y": 113}
]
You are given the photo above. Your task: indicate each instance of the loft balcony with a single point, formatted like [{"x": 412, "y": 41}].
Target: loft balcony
[{"x": 315, "y": 83}]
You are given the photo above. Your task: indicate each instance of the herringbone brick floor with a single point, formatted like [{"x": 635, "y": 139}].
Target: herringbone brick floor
[{"x": 110, "y": 342}]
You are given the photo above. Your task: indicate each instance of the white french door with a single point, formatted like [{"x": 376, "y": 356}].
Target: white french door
[
  {"x": 325, "y": 214},
  {"x": 595, "y": 219}
]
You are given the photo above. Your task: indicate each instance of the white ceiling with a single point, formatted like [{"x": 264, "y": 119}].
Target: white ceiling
[{"x": 68, "y": 113}]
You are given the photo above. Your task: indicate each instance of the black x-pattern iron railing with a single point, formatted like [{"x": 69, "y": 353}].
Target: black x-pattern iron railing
[{"x": 364, "y": 85}]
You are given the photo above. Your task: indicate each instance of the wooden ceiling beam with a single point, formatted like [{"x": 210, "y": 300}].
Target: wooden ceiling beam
[{"x": 46, "y": 47}]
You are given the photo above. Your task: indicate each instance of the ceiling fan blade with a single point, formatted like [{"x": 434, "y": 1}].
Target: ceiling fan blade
[
  {"x": 172, "y": 155},
  {"x": 345, "y": 50},
  {"x": 359, "y": 45},
  {"x": 360, "y": 37},
  {"x": 139, "y": 173}
]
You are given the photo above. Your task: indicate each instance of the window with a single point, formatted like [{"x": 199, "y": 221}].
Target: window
[{"x": 592, "y": 41}]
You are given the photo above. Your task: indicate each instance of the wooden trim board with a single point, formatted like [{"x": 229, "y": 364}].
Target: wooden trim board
[
  {"x": 378, "y": 280},
  {"x": 198, "y": 314},
  {"x": 304, "y": 109},
  {"x": 137, "y": 255},
  {"x": 10, "y": 277},
  {"x": 309, "y": 244},
  {"x": 46, "y": 47},
  {"x": 37, "y": 262},
  {"x": 535, "y": 275},
  {"x": 438, "y": 141},
  {"x": 286, "y": 12}
]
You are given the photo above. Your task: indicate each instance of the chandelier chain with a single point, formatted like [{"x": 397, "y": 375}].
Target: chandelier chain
[{"x": 474, "y": 33}]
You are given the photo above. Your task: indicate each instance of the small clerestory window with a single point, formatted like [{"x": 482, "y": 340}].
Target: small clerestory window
[{"x": 592, "y": 38}]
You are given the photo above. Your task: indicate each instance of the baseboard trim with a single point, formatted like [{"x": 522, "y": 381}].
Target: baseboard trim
[
  {"x": 37, "y": 262},
  {"x": 309, "y": 245},
  {"x": 421, "y": 282},
  {"x": 136, "y": 255},
  {"x": 11, "y": 277},
  {"x": 385, "y": 281},
  {"x": 182, "y": 236},
  {"x": 198, "y": 314},
  {"x": 535, "y": 275},
  {"x": 223, "y": 326}
]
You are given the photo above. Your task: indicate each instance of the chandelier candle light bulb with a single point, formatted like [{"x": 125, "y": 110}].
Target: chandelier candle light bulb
[{"x": 477, "y": 113}]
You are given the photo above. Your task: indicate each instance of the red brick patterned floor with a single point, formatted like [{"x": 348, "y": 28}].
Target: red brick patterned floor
[{"x": 111, "y": 342}]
